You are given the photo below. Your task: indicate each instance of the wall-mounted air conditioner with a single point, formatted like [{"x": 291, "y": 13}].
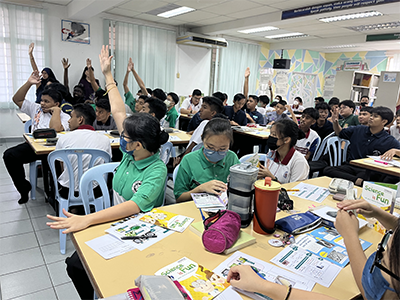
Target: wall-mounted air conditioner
[{"x": 202, "y": 41}]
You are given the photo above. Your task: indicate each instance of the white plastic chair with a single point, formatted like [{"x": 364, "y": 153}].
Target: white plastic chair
[
  {"x": 321, "y": 149},
  {"x": 175, "y": 173},
  {"x": 33, "y": 166},
  {"x": 261, "y": 157},
  {"x": 167, "y": 150},
  {"x": 337, "y": 155},
  {"x": 197, "y": 147}
]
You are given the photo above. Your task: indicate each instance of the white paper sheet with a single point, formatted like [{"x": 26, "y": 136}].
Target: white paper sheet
[
  {"x": 174, "y": 138},
  {"x": 310, "y": 192},
  {"x": 380, "y": 161},
  {"x": 109, "y": 246}
]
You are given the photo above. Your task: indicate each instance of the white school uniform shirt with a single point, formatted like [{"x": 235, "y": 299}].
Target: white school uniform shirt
[
  {"x": 196, "y": 136},
  {"x": 41, "y": 120},
  {"x": 261, "y": 110},
  {"x": 293, "y": 167},
  {"x": 187, "y": 104},
  {"x": 86, "y": 139},
  {"x": 395, "y": 131},
  {"x": 309, "y": 143}
]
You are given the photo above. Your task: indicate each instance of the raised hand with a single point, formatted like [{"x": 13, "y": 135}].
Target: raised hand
[
  {"x": 34, "y": 78},
  {"x": 247, "y": 73},
  {"x": 88, "y": 63},
  {"x": 269, "y": 83},
  {"x": 105, "y": 60},
  {"x": 65, "y": 63},
  {"x": 130, "y": 65},
  {"x": 31, "y": 47},
  {"x": 335, "y": 114}
]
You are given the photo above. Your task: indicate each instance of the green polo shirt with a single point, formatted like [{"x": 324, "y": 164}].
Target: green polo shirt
[
  {"x": 195, "y": 167},
  {"x": 171, "y": 117},
  {"x": 141, "y": 181},
  {"x": 130, "y": 101},
  {"x": 351, "y": 120}
]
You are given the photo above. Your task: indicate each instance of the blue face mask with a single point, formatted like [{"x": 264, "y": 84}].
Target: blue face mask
[
  {"x": 374, "y": 284},
  {"x": 214, "y": 156},
  {"x": 123, "y": 143}
]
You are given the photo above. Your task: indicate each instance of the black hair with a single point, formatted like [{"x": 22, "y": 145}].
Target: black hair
[
  {"x": 58, "y": 87},
  {"x": 145, "y": 128},
  {"x": 334, "y": 101},
  {"x": 264, "y": 99},
  {"x": 80, "y": 86},
  {"x": 196, "y": 92},
  {"x": 149, "y": 91},
  {"x": 83, "y": 73},
  {"x": 398, "y": 113},
  {"x": 100, "y": 94},
  {"x": 279, "y": 97},
  {"x": 322, "y": 105},
  {"x": 219, "y": 95},
  {"x": 348, "y": 103},
  {"x": 159, "y": 94},
  {"x": 255, "y": 98},
  {"x": 214, "y": 103},
  {"x": 52, "y": 80},
  {"x": 53, "y": 94},
  {"x": 288, "y": 128},
  {"x": 364, "y": 96},
  {"x": 86, "y": 111},
  {"x": 218, "y": 126},
  {"x": 368, "y": 109},
  {"x": 312, "y": 112},
  {"x": 238, "y": 97},
  {"x": 103, "y": 103},
  {"x": 221, "y": 116},
  {"x": 281, "y": 102},
  {"x": 174, "y": 97},
  {"x": 299, "y": 99},
  {"x": 226, "y": 96},
  {"x": 156, "y": 107},
  {"x": 273, "y": 104},
  {"x": 319, "y": 99},
  {"x": 385, "y": 113}
]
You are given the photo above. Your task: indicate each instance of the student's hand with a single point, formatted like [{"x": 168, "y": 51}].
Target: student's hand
[
  {"x": 105, "y": 60},
  {"x": 130, "y": 65},
  {"x": 65, "y": 63},
  {"x": 72, "y": 223},
  {"x": 88, "y": 63},
  {"x": 190, "y": 132},
  {"x": 247, "y": 73},
  {"x": 335, "y": 115},
  {"x": 270, "y": 83},
  {"x": 346, "y": 223},
  {"x": 264, "y": 171},
  {"x": 233, "y": 123},
  {"x": 361, "y": 206},
  {"x": 213, "y": 187},
  {"x": 388, "y": 155},
  {"x": 34, "y": 78},
  {"x": 244, "y": 278},
  {"x": 31, "y": 47},
  {"x": 55, "y": 109},
  {"x": 270, "y": 123},
  {"x": 289, "y": 108},
  {"x": 88, "y": 101},
  {"x": 250, "y": 118}
]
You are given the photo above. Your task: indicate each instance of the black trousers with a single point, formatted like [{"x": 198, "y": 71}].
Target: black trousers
[
  {"x": 79, "y": 278},
  {"x": 346, "y": 171},
  {"x": 14, "y": 159}
]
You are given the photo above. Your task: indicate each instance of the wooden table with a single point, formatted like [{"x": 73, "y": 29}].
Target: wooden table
[
  {"x": 186, "y": 116},
  {"x": 23, "y": 117},
  {"x": 261, "y": 133},
  {"x": 368, "y": 163},
  {"x": 117, "y": 275},
  {"x": 183, "y": 136}
]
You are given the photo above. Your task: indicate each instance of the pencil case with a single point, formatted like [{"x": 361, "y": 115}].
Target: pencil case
[
  {"x": 298, "y": 223},
  {"x": 158, "y": 288}
]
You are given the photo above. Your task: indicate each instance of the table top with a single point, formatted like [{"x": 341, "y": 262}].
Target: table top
[
  {"x": 368, "y": 163},
  {"x": 179, "y": 137},
  {"x": 23, "y": 117},
  {"x": 186, "y": 116},
  {"x": 259, "y": 132},
  {"x": 117, "y": 275}
]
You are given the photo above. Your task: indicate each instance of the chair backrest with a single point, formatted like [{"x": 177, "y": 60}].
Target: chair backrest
[
  {"x": 100, "y": 175},
  {"x": 197, "y": 147},
  {"x": 27, "y": 126},
  {"x": 64, "y": 156},
  {"x": 336, "y": 154},
  {"x": 167, "y": 150},
  {"x": 261, "y": 157},
  {"x": 177, "y": 121},
  {"x": 321, "y": 148},
  {"x": 175, "y": 173}
]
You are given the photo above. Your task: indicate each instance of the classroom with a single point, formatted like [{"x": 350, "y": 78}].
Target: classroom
[{"x": 248, "y": 149}]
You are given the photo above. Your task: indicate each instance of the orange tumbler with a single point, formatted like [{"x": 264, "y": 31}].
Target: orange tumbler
[{"x": 265, "y": 205}]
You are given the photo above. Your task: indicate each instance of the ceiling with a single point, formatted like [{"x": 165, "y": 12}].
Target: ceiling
[{"x": 226, "y": 17}]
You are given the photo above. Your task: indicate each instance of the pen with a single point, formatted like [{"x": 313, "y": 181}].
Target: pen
[
  {"x": 256, "y": 270},
  {"x": 293, "y": 190},
  {"x": 381, "y": 162}
]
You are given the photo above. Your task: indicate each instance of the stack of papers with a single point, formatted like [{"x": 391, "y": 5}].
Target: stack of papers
[
  {"x": 383, "y": 162},
  {"x": 210, "y": 202}
]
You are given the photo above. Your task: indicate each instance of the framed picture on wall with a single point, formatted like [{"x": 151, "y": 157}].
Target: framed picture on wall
[{"x": 75, "y": 32}]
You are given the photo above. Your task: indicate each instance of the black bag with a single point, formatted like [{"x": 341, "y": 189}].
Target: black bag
[
  {"x": 284, "y": 202},
  {"x": 45, "y": 133}
]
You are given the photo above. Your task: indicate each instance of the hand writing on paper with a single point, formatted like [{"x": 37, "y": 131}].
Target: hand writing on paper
[
  {"x": 213, "y": 187},
  {"x": 244, "y": 278}
]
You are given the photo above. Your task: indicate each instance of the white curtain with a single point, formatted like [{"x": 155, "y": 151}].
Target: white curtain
[
  {"x": 152, "y": 51},
  {"x": 394, "y": 63},
  {"x": 233, "y": 62},
  {"x": 20, "y": 26}
]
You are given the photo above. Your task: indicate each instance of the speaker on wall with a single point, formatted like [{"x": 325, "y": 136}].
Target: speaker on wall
[{"x": 281, "y": 63}]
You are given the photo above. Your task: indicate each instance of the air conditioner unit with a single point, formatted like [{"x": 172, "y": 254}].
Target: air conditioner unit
[{"x": 202, "y": 41}]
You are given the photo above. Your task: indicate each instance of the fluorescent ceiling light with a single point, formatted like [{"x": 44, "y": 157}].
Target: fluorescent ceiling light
[
  {"x": 175, "y": 12},
  {"x": 286, "y": 35},
  {"x": 388, "y": 25},
  {"x": 259, "y": 29},
  {"x": 340, "y": 46},
  {"x": 366, "y": 14}
]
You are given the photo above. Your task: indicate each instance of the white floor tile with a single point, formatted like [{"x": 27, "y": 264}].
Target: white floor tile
[
  {"x": 67, "y": 292},
  {"x": 48, "y": 236},
  {"x": 58, "y": 273},
  {"x": 40, "y": 211},
  {"x": 48, "y": 294},
  {"x": 10, "y": 205},
  {"x": 20, "y": 260},
  {"x": 18, "y": 242},
  {"x": 40, "y": 223},
  {"x": 15, "y": 228},
  {"x": 51, "y": 253},
  {"x": 13, "y": 215}
]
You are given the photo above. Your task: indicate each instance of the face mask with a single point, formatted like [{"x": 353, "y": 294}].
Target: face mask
[
  {"x": 167, "y": 103},
  {"x": 271, "y": 143},
  {"x": 296, "y": 103},
  {"x": 214, "y": 156},
  {"x": 123, "y": 143},
  {"x": 374, "y": 284},
  {"x": 363, "y": 104}
]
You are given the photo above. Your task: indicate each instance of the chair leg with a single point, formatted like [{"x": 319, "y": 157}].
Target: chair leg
[
  {"x": 33, "y": 178},
  {"x": 63, "y": 237}
]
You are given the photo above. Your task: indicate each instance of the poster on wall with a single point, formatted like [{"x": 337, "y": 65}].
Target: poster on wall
[
  {"x": 389, "y": 77},
  {"x": 75, "y": 32},
  {"x": 266, "y": 75},
  {"x": 329, "y": 86},
  {"x": 282, "y": 82}
]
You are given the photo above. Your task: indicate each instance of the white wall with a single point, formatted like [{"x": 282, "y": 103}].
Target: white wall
[{"x": 193, "y": 64}]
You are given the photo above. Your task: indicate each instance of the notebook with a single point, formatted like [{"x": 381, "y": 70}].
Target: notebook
[{"x": 167, "y": 220}]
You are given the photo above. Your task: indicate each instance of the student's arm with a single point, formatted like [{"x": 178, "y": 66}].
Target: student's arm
[
  {"x": 55, "y": 121},
  {"x": 335, "y": 121},
  {"x": 292, "y": 115},
  {"x": 66, "y": 66},
  {"x": 184, "y": 110},
  {"x": 246, "y": 82},
  {"x": 128, "y": 70},
  {"x": 249, "y": 118},
  {"x": 32, "y": 60},
  {"x": 138, "y": 79},
  {"x": 388, "y": 155},
  {"x": 93, "y": 82},
  {"x": 19, "y": 96},
  {"x": 270, "y": 90},
  {"x": 189, "y": 148}
]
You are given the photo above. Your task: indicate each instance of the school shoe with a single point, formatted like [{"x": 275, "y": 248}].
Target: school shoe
[{"x": 25, "y": 193}]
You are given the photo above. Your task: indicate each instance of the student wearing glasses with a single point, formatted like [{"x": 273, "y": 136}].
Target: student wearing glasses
[
  {"x": 377, "y": 276},
  {"x": 207, "y": 170}
]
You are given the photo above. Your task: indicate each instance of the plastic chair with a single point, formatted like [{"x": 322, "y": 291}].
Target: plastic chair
[
  {"x": 321, "y": 149},
  {"x": 337, "y": 155},
  {"x": 99, "y": 174},
  {"x": 261, "y": 157},
  {"x": 63, "y": 155},
  {"x": 177, "y": 121},
  {"x": 175, "y": 173},
  {"x": 167, "y": 150},
  {"x": 197, "y": 147},
  {"x": 33, "y": 166}
]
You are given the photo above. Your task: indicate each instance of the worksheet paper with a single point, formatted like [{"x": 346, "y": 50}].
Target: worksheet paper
[
  {"x": 306, "y": 264},
  {"x": 109, "y": 246},
  {"x": 380, "y": 161},
  {"x": 174, "y": 138},
  {"x": 267, "y": 270},
  {"x": 310, "y": 192}
]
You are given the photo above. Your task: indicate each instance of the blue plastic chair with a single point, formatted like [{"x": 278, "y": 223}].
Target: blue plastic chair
[
  {"x": 33, "y": 166},
  {"x": 321, "y": 149},
  {"x": 167, "y": 150},
  {"x": 197, "y": 147},
  {"x": 177, "y": 121},
  {"x": 337, "y": 155},
  {"x": 63, "y": 155},
  {"x": 261, "y": 157}
]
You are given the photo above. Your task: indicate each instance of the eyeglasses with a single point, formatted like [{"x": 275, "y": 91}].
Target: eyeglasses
[
  {"x": 125, "y": 137},
  {"x": 221, "y": 152},
  {"x": 379, "y": 255}
]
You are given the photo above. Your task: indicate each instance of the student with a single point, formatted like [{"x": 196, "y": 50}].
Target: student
[
  {"x": 364, "y": 140},
  {"x": 395, "y": 128},
  {"x": 193, "y": 104},
  {"x": 130, "y": 101},
  {"x": 139, "y": 180},
  {"x": 211, "y": 106},
  {"x": 225, "y": 102},
  {"x": 104, "y": 120},
  {"x": 154, "y": 107},
  {"x": 308, "y": 145},
  {"x": 365, "y": 114},
  {"x": 322, "y": 127},
  {"x": 262, "y": 104},
  {"x": 378, "y": 284},
  {"x": 319, "y": 100},
  {"x": 140, "y": 102},
  {"x": 82, "y": 137},
  {"x": 364, "y": 101},
  {"x": 298, "y": 104},
  {"x": 46, "y": 115},
  {"x": 334, "y": 104},
  {"x": 277, "y": 114},
  {"x": 253, "y": 116},
  {"x": 346, "y": 110},
  {"x": 278, "y": 98},
  {"x": 207, "y": 170},
  {"x": 172, "y": 114},
  {"x": 86, "y": 81},
  {"x": 284, "y": 163},
  {"x": 78, "y": 93},
  {"x": 235, "y": 113}
]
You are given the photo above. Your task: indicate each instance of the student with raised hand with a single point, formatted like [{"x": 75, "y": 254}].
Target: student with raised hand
[
  {"x": 138, "y": 184},
  {"x": 207, "y": 169},
  {"x": 130, "y": 101},
  {"x": 284, "y": 163},
  {"x": 90, "y": 84}
]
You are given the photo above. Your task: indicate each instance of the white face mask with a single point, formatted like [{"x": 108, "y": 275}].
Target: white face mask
[
  {"x": 296, "y": 102},
  {"x": 167, "y": 103}
]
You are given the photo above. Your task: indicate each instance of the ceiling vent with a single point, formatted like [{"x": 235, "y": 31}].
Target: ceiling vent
[{"x": 202, "y": 41}]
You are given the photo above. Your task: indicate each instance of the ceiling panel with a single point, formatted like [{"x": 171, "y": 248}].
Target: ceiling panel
[
  {"x": 143, "y": 6},
  {"x": 219, "y": 19},
  {"x": 195, "y": 16},
  {"x": 198, "y": 4},
  {"x": 253, "y": 12},
  {"x": 233, "y": 6},
  {"x": 124, "y": 12}
]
